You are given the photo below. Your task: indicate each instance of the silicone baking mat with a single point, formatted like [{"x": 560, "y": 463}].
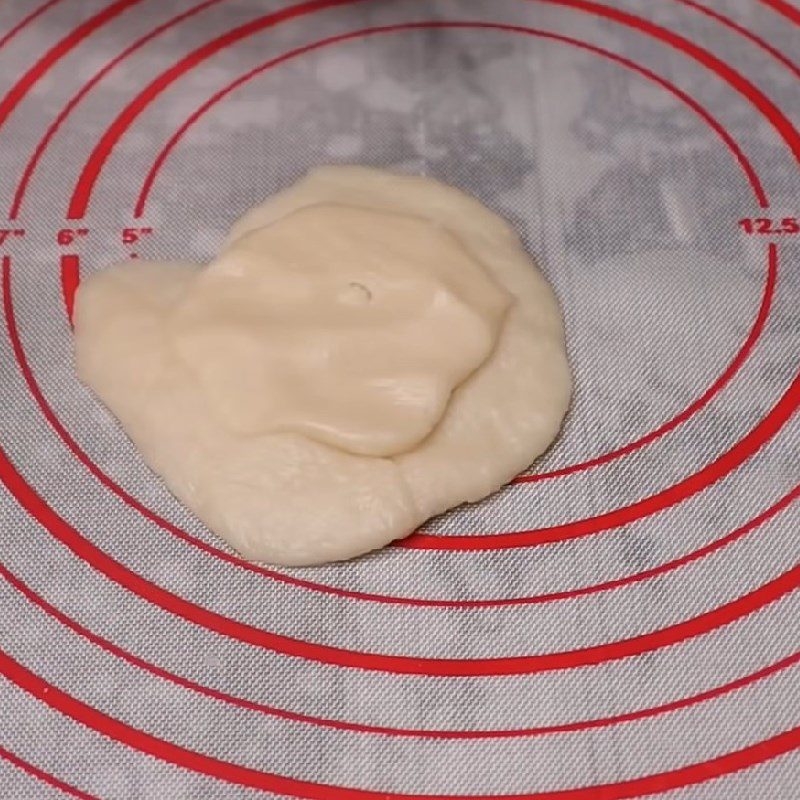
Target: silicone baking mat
[{"x": 621, "y": 622}]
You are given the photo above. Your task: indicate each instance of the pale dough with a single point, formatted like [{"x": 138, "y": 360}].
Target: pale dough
[
  {"x": 347, "y": 325},
  {"x": 368, "y": 350}
]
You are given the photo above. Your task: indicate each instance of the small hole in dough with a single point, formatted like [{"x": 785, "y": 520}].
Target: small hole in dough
[{"x": 356, "y": 294}]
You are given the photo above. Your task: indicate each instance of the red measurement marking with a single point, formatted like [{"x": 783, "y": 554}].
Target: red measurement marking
[
  {"x": 68, "y": 235},
  {"x": 9, "y": 233},
  {"x": 134, "y": 235},
  {"x": 70, "y": 278},
  {"x": 763, "y": 226}
]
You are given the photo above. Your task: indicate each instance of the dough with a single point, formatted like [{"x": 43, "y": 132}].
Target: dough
[
  {"x": 347, "y": 325},
  {"x": 367, "y": 351}
]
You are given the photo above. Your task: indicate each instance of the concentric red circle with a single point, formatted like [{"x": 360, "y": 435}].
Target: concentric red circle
[
  {"x": 33, "y": 162},
  {"x": 761, "y": 434},
  {"x": 270, "y": 710},
  {"x": 244, "y": 776},
  {"x": 735, "y": 150},
  {"x": 525, "y": 538},
  {"x": 82, "y": 194},
  {"x": 26, "y": 21},
  {"x": 68, "y": 276},
  {"x": 43, "y": 776},
  {"x": 785, "y": 9},
  {"x": 203, "y": 764}
]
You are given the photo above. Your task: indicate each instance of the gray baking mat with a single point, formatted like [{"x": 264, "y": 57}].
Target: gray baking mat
[{"x": 625, "y": 617}]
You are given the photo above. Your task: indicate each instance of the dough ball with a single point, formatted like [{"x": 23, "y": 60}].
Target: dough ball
[{"x": 306, "y": 420}]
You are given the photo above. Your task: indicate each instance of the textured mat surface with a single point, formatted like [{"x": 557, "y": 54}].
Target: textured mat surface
[{"x": 626, "y": 617}]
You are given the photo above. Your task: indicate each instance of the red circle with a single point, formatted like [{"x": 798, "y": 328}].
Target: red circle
[
  {"x": 784, "y": 9},
  {"x": 25, "y": 21},
  {"x": 149, "y": 180},
  {"x": 44, "y": 777},
  {"x": 90, "y": 173},
  {"x": 82, "y": 194},
  {"x": 741, "y": 356},
  {"x": 742, "y": 31},
  {"x": 273, "y": 574},
  {"x": 140, "y": 663},
  {"x": 486, "y": 542},
  {"x": 123, "y": 568},
  {"x": 85, "y": 550},
  {"x": 481, "y": 537},
  {"x": 750, "y": 174},
  {"x": 727, "y": 374},
  {"x": 83, "y": 31},
  {"x": 33, "y": 162},
  {"x": 164, "y": 750},
  {"x": 730, "y": 762}
]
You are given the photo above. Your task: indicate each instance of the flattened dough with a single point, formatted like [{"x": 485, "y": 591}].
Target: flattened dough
[
  {"x": 304, "y": 494},
  {"x": 347, "y": 325}
]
